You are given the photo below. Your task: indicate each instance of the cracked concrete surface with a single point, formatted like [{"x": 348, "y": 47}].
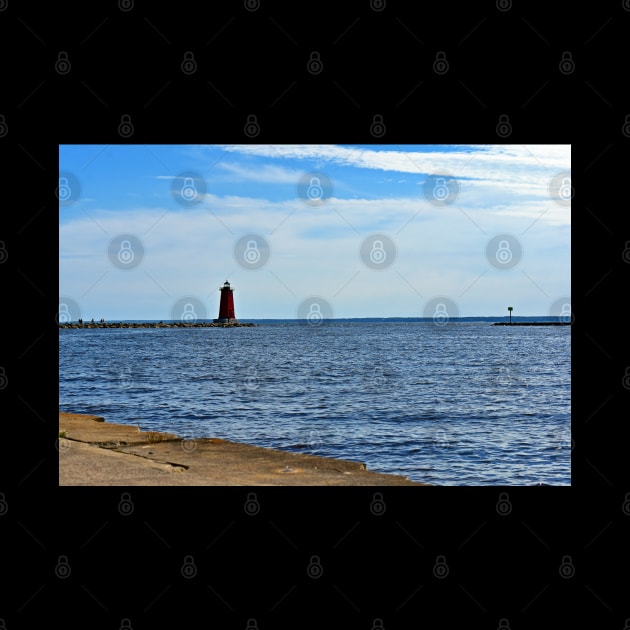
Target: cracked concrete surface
[{"x": 93, "y": 452}]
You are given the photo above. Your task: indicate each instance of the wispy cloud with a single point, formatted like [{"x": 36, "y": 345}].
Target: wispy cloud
[
  {"x": 268, "y": 173},
  {"x": 315, "y": 250},
  {"x": 487, "y": 162}
]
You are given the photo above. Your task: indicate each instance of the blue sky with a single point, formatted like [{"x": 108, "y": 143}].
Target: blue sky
[{"x": 367, "y": 230}]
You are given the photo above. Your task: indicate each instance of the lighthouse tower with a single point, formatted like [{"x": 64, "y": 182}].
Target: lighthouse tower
[{"x": 226, "y": 306}]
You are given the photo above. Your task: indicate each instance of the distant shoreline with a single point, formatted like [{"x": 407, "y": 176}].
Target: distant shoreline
[{"x": 497, "y": 321}]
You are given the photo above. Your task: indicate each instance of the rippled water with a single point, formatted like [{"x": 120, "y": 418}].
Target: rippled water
[{"x": 455, "y": 404}]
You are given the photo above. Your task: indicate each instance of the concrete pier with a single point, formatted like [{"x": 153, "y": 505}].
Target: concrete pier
[{"x": 93, "y": 452}]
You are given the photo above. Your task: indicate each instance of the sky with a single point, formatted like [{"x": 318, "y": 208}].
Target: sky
[{"x": 152, "y": 231}]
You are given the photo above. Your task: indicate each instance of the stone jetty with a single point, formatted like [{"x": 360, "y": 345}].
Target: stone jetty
[
  {"x": 532, "y": 324},
  {"x": 155, "y": 325}
]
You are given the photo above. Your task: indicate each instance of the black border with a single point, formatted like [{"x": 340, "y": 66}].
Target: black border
[{"x": 382, "y": 568}]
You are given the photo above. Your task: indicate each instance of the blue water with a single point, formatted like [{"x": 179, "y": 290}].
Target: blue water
[{"x": 454, "y": 404}]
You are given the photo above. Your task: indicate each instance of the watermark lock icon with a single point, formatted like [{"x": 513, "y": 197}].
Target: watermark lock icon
[
  {"x": 251, "y": 382},
  {"x": 125, "y": 505},
  {"x": 377, "y": 128},
  {"x": 314, "y": 311},
  {"x": 63, "y": 190},
  {"x": 377, "y": 377},
  {"x": 313, "y": 440},
  {"x": 504, "y": 507},
  {"x": 441, "y": 189},
  {"x": 4, "y": 381},
  {"x": 63, "y": 315},
  {"x": 561, "y": 188},
  {"x": 377, "y": 506},
  {"x": 252, "y": 128},
  {"x": 315, "y": 569},
  {"x": 68, "y": 189},
  {"x": 62, "y": 445},
  {"x": 125, "y": 128},
  {"x": 125, "y": 379},
  {"x": 440, "y": 568},
  {"x": 561, "y": 308},
  {"x": 63, "y": 65},
  {"x": 441, "y": 310},
  {"x": 252, "y": 251},
  {"x": 566, "y": 65},
  {"x": 314, "y": 188},
  {"x": 504, "y": 128},
  {"x": 188, "y": 310},
  {"x": 377, "y": 251},
  {"x": 188, "y": 188},
  {"x": 189, "y": 445},
  {"x": 69, "y": 311},
  {"x": 310, "y": 439},
  {"x": 440, "y": 65},
  {"x": 314, "y": 65},
  {"x": 566, "y": 569},
  {"x": 315, "y": 191},
  {"x": 188, "y": 568},
  {"x": 125, "y": 251},
  {"x": 251, "y": 507},
  {"x": 441, "y": 440},
  {"x": 504, "y": 251},
  {"x": 189, "y": 314},
  {"x": 62, "y": 569},
  {"x": 503, "y": 377},
  {"x": 189, "y": 65}
]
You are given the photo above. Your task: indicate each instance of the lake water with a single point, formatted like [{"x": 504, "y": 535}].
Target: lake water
[{"x": 455, "y": 404}]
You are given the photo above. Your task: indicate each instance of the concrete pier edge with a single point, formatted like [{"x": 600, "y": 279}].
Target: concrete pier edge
[{"x": 93, "y": 452}]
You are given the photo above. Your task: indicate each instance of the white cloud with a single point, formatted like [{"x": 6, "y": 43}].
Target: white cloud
[
  {"x": 268, "y": 173},
  {"x": 315, "y": 251},
  {"x": 486, "y": 161}
]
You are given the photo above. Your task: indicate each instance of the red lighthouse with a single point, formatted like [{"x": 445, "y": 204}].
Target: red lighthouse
[{"x": 226, "y": 306}]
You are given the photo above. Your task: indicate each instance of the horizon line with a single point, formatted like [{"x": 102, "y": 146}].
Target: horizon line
[{"x": 284, "y": 319}]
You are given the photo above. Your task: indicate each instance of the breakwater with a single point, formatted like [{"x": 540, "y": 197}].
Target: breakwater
[
  {"x": 532, "y": 324},
  {"x": 154, "y": 325}
]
